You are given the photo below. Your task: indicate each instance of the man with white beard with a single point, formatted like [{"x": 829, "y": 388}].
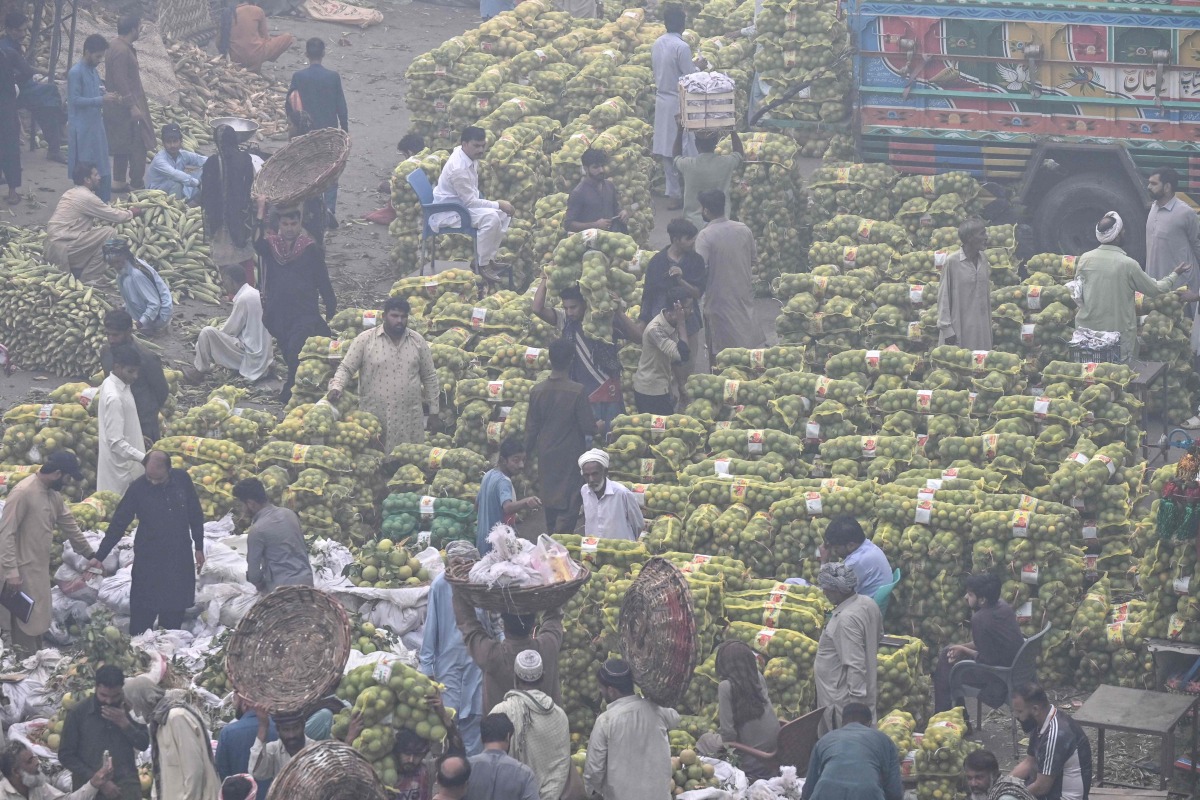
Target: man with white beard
[
  {"x": 982, "y": 772},
  {"x": 24, "y": 780}
]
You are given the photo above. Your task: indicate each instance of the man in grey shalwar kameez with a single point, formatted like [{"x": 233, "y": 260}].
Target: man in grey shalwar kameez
[
  {"x": 844, "y": 669},
  {"x": 727, "y": 247},
  {"x": 671, "y": 59},
  {"x": 964, "y": 297}
]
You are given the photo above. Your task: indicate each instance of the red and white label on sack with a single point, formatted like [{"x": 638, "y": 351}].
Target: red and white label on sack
[
  {"x": 849, "y": 256},
  {"x": 1027, "y": 330},
  {"x": 1033, "y": 298},
  {"x": 933, "y": 484},
  {"x": 939, "y": 259},
  {"x": 531, "y": 355},
  {"x": 925, "y": 494},
  {"x": 587, "y": 548},
  {"x": 639, "y": 493},
  {"x": 923, "y": 513},
  {"x": 916, "y": 294},
  {"x": 1182, "y": 585},
  {"x": 1020, "y": 524},
  {"x": 436, "y": 455},
  {"x": 1107, "y": 462},
  {"x": 426, "y": 505},
  {"x": 658, "y": 424},
  {"x": 758, "y": 359},
  {"x": 1027, "y": 503},
  {"x": 494, "y": 432},
  {"x": 1115, "y": 633},
  {"x": 872, "y": 359},
  {"x": 754, "y": 441},
  {"x": 864, "y": 230},
  {"x": 730, "y": 392},
  {"x": 813, "y": 504},
  {"x": 924, "y": 400},
  {"x": 1175, "y": 626},
  {"x": 478, "y": 315},
  {"x": 812, "y": 431},
  {"x": 819, "y": 284},
  {"x": 646, "y": 469},
  {"x": 1029, "y": 574},
  {"x": 299, "y": 452},
  {"x": 922, "y": 440},
  {"x": 45, "y": 413},
  {"x": 830, "y": 485},
  {"x": 88, "y": 395},
  {"x": 1089, "y": 372},
  {"x": 868, "y": 446},
  {"x": 979, "y": 358},
  {"x": 1089, "y": 561},
  {"x": 763, "y": 638},
  {"x": 1041, "y": 407},
  {"x": 370, "y": 319},
  {"x": 949, "y": 473},
  {"x": 1078, "y": 458},
  {"x": 495, "y": 391}
]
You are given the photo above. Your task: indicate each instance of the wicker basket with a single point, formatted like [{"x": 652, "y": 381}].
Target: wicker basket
[
  {"x": 328, "y": 770},
  {"x": 289, "y": 650},
  {"x": 305, "y": 167},
  {"x": 657, "y": 632},
  {"x": 508, "y": 600}
]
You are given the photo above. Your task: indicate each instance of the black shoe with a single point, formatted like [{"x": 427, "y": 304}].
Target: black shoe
[{"x": 331, "y": 223}]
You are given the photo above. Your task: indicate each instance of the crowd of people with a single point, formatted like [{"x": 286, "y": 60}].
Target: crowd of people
[{"x": 509, "y": 735}]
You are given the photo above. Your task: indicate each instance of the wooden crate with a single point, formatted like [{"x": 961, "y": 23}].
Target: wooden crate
[{"x": 715, "y": 111}]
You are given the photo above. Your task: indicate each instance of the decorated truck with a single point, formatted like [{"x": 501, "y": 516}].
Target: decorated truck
[{"x": 1066, "y": 105}]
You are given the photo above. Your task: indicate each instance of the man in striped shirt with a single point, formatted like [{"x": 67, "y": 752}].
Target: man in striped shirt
[{"x": 1059, "y": 762}]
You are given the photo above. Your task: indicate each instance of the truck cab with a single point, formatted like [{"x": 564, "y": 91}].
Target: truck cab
[{"x": 1069, "y": 104}]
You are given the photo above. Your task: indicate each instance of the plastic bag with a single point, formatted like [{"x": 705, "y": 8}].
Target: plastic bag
[
  {"x": 222, "y": 564},
  {"x": 27, "y": 699},
  {"x": 114, "y": 591}
]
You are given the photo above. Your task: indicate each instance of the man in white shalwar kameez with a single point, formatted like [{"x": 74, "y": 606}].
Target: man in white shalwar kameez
[
  {"x": 122, "y": 448},
  {"x": 459, "y": 183},
  {"x": 671, "y": 59},
  {"x": 242, "y": 342}
]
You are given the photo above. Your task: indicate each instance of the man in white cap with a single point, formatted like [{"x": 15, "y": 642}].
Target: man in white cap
[
  {"x": 1108, "y": 278},
  {"x": 444, "y": 656},
  {"x": 846, "y": 653},
  {"x": 628, "y": 753},
  {"x": 610, "y": 510},
  {"x": 541, "y": 732}
]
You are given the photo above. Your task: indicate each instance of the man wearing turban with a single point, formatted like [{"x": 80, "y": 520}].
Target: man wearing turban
[
  {"x": 610, "y": 510},
  {"x": 846, "y": 653}
]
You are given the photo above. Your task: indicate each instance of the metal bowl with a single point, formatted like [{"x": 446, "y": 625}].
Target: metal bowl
[{"x": 244, "y": 128}]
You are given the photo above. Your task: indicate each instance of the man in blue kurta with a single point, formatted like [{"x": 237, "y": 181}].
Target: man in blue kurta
[
  {"x": 671, "y": 59},
  {"x": 444, "y": 655},
  {"x": 86, "y": 138}
]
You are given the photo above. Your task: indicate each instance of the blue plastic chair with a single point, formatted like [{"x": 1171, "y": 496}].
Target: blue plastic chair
[
  {"x": 420, "y": 184},
  {"x": 884, "y": 593}
]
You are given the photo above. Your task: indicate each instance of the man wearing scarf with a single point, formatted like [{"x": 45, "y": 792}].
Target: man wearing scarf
[
  {"x": 846, "y": 653},
  {"x": 1108, "y": 279},
  {"x": 294, "y": 280},
  {"x": 180, "y": 745}
]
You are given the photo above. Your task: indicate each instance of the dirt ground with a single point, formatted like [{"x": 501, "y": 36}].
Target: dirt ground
[{"x": 372, "y": 64}]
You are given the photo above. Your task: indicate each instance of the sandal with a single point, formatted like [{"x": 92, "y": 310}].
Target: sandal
[{"x": 1192, "y": 424}]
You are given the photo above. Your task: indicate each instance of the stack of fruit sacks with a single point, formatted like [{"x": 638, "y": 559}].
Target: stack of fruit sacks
[
  {"x": 1107, "y": 638},
  {"x": 214, "y": 464},
  {"x": 797, "y": 42},
  {"x": 169, "y": 236},
  {"x": 863, "y": 189},
  {"x": 793, "y": 647},
  {"x": 388, "y": 697},
  {"x": 434, "y": 521},
  {"x": 1165, "y": 336},
  {"x": 582, "y": 653},
  {"x": 434, "y": 76},
  {"x": 36, "y": 431},
  {"x": 903, "y": 682},
  {"x": 335, "y": 464},
  {"x": 384, "y": 564},
  {"x": 899, "y": 726},
  {"x": 940, "y": 756},
  {"x": 220, "y": 418},
  {"x": 490, "y": 411}
]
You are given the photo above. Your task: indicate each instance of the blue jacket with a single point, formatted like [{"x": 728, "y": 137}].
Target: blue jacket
[
  {"x": 233, "y": 748},
  {"x": 168, "y": 174},
  {"x": 147, "y": 296},
  {"x": 444, "y": 656}
]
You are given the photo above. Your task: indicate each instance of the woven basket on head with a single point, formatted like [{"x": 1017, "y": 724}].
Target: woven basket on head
[
  {"x": 304, "y": 167},
  {"x": 289, "y": 650},
  {"x": 328, "y": 770},
  {"x": 513, "y": 600},
  {"x": 658, "y": 632}
]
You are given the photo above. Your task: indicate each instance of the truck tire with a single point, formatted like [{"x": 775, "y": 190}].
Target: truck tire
[{"x": 1065, "y": 219}]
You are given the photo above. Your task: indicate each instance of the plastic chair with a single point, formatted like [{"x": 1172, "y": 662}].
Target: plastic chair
[
  {"x": 794, "y": 746},
  {"x": 420, "y": 184},
  {"x": 1022, "y": 671},
  {"x": 883, "y": 594}
]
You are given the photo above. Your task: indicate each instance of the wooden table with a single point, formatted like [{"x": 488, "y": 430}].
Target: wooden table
[{"x": 1139, "y": 712}]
